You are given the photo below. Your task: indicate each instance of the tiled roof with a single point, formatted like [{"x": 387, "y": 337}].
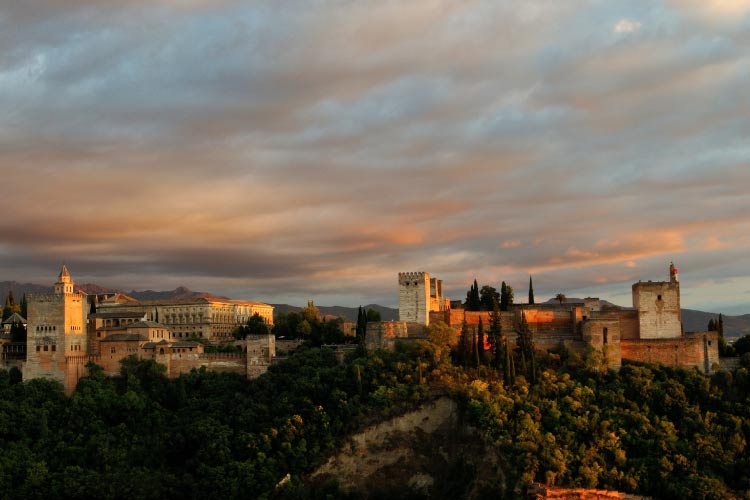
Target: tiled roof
[
  {"x": 123, "y": 337},
  {"x": 14, "y": 318}
]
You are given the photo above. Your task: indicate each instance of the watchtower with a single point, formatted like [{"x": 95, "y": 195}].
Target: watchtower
[
  {"x": 414, "y": 297},
  {"x": 658, "y": 305}
]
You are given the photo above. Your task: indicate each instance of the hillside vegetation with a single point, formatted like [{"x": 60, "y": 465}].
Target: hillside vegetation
[{"x": 651, "y": 430}]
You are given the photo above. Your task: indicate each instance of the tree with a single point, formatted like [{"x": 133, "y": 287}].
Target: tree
[
  {"x": 256, "y": 325},
  {"x": 442, "y": 336},
  {"x": 480, "y": 343},
  {"x": 488, "y": 296},
  {"x": 473, "y": 302},
  {"x": 311, "y": 313},
  {"x": 10, "y": 306},
  {"x": 531, "y": 291},
  {"x": 373, "y": 315},
  {"x": 506, "y": 296},
  {"x": 464, "y": 350},
  {"x": 525, "y": 343},
  {"x": 495, "y": 336},
  {"x": 24, "y": 306},
  {"x": 560, "y": 297},
  {"x": 361, "y": 325}
]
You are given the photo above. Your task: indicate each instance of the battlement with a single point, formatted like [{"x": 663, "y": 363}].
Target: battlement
[{"x": 412, "y": 276}]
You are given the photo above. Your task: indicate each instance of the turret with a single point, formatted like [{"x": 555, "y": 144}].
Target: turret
[
  {"x": 674, "y": 274},
  {"x": 64, "y": 282}
]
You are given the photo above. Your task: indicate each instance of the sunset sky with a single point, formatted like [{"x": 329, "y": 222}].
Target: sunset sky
[{"x": 292, "y": 150}]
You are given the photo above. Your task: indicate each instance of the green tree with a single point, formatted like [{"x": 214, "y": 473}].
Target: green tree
[
  {"x": 481, "y": 353},
  {"x": 373, "y": 315},
  {"x": 473, "y": 301},
  {"x": 24, "y": 306},
  {"x": 10, "y": 306},
  {"x": 311, "y": 313},
  {"x": 464, "y": 350},
  {"x": 525, "y": 344},
  {"x": 488, "y": 296},
  {"x": 361, "y": 325},
  {"x": 531, "y": 291},
  {"x": 495, "y": 336},
  {"x": 506, "y": 296}
]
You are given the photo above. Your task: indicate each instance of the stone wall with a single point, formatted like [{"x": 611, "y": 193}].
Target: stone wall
[
  {"x": 384, "y": 334},
  {"x": 699, "y": 350}
]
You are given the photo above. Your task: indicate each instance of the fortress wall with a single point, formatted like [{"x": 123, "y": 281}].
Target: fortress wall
[{"x": 699, "y": 350}]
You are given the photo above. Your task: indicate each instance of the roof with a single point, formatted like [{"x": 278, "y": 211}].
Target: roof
[
  {"x": 64, "y": 272},
  {"x": 146, "y": 324},
  {"x": 185, "y": 343},
  {"x": 14, "y": 318},
  {"x": 108, "y": 315},
  {"x": 124, "y": 337}
]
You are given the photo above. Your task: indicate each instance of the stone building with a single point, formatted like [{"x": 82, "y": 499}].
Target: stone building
[
  {"x": 213, "y": 319},
  {"x": 63, "y": 336},
  {"x": 651, "y": 331}
]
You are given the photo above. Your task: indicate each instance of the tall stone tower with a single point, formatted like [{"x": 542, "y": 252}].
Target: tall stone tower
[
  {"x": 414, "y": 297},
  {"x": 56, "y": 333},
  {"x": 658, "y": 305}
]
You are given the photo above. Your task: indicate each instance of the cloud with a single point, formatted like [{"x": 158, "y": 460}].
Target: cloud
[
  {"x": 627, "y": 26},
  {"x": 278, "y": 151}
]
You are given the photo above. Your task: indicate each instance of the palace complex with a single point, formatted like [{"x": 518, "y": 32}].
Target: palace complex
[
  {"x": 67, "y": 329},
  {"x": 649, "y": 331}
]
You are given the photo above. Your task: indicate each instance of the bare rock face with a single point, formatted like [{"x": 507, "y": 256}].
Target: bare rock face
[{"x": 426, "y": 453}]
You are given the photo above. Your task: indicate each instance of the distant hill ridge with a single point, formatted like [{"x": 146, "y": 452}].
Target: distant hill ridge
[{"x": 693, "y": 320}]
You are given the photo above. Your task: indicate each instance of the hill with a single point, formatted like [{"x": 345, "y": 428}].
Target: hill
[{"x": 348, "y": 313}]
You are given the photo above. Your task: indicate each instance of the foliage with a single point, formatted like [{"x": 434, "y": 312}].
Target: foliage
[
  {"x": 10, "y": 306},
  {"x": 531, "y": 291},
  {"x": 473, "y": 301},
  {"x": 488, "y": 296},
  {"x": 561, "y": 298},
  {"x": 203, "y": 435},
  {"x": 506, "y": 296},
  {"x": 255, "y": 325}
]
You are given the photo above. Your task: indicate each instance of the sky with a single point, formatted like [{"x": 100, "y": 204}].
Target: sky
[{"x": 286, "y": 151}]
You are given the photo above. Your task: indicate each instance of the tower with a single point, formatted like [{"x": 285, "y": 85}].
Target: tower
[
  {"x": 57, "y": 333},
  {"x": 414, "y": 297},
  {"x": 658, "y": 305}
]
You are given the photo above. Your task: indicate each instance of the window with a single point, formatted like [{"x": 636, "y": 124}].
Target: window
[
  {"x": 46, "y": 348},
  {"x": 54, "y": 347},
  {"x": 658, "y": 297},
  {"x": 38, "y": 348},
  {"x": 112, "y": 350},
  {"x": 605, "y": 333}
]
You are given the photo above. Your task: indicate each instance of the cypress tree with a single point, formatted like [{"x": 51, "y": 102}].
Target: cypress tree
[
  {"x": 711, "y": 325},
  {"x": 464, "y": 349},
  {"x": 480, "y": 343},
  {"x": 24, "y": 306},
  {"x": 531, "y": 291}
]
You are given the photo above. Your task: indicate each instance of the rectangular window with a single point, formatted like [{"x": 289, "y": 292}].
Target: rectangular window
[
  {"x": 38, "y": 348},
  {"x": 54, "y": 347},
  {"x": 605, "y": 334},
  {"x": 46, "y": 348}
]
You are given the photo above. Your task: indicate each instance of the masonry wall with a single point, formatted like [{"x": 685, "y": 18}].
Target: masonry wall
[
  {"x": 603, "y": 334},
  {"x": 383, "y": 334},
  {"x": 658, "y": 305},
  {"x": 699, "y": 350}
]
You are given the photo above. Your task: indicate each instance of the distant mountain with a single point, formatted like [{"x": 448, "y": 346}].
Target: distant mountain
[
  {"x": 348, "y": 313},
  {"x": 19, "y": 289},
  {"x": 178, "y": 293},
  {"x": 697, "y": 321}
]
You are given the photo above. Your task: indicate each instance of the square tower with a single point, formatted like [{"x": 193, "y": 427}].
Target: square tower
[
  {"x": 658, "y": 305},
  {"x": 56, "y": 331},
  {"x": 414, "y": 297}
]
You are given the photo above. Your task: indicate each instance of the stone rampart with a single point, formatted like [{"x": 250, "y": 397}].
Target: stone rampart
[{"x": 698, "y": 350}]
